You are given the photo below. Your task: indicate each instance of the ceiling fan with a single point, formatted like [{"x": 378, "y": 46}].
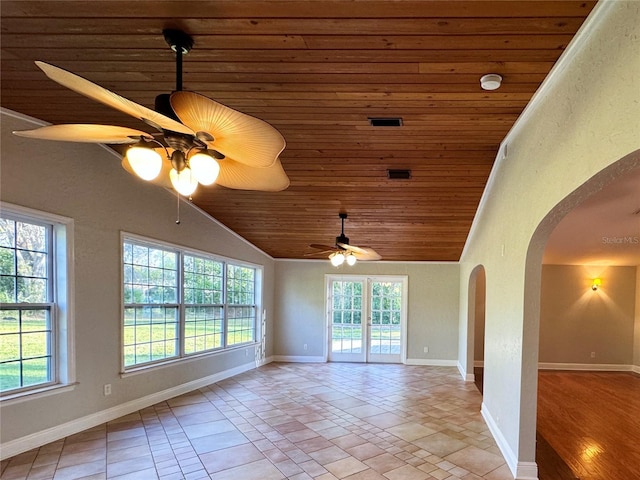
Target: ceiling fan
[
  {"x": 342, "y": 251},
  {"x": 203, "y": 141}
]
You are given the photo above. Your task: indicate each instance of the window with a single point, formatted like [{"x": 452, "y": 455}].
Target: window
[
  {"x": 241, "y": 311},
  {"x": 347, "y": 316},
  {"x": 204, "y": 309},
  {"x": 151, "y": 319},
  {"x": 179, "y": 303},
  {"x": 35, "y": 322}
]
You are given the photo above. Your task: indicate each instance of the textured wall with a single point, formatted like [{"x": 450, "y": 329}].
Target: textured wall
[
  {"x": 86, "y": 183},
  {"x": 480, "y": 307},
  {"x": 584, "y": 119},
  {"x": 432, "y": 308},
  {"x": 575, "y": 320}
]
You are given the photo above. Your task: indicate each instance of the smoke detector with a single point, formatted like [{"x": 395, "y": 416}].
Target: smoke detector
[{"x": 491, "y": 81}]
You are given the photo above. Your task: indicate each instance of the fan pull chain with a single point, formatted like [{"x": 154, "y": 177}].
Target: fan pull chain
[{"x": 178, "y": 208}]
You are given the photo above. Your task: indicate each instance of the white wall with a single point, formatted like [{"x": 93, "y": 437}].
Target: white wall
[
  {"x": 584, "y": 118},
  {"x": 86, "y": 183},
  {"x": 479, "y": 320},
  {"x": 432, "y": 308}
]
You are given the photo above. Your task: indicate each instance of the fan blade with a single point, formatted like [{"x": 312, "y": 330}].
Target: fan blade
[
  {"x": 326, "y": 248},
  {"x": 367, "y": 257},
  {"x": 242, "y": 137},
  {"x": 361, "y": 253},
  {"x": 85, "y": 133},
  {"x": 99, "y": 94},
  {"x": 313, "y": 254},
  {"x": 243, "y": 177}
]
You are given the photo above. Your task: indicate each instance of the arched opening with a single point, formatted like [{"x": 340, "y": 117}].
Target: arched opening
[
  {"x": 476, "y": 323},
  {"x": 610, "y": 177}
]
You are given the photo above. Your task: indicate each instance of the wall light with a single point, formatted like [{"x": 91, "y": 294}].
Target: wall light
[{"x": 597, "y": 282}]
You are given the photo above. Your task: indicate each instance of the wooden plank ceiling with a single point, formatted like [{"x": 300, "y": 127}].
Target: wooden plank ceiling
[{"x": 316, "y": 70}]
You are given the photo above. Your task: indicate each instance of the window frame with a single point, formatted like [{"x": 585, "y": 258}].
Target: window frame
[
  {"x": 165, "y": 305},
  {"x": 220, "y": 306},
  {"x": 182, "y": 251},
  {"x": 60, "y": 300}
]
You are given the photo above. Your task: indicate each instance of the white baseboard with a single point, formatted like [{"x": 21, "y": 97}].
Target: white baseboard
[
  {"x": 298, "y": 359},
  {"x": 505, "y": 449},
  {"x": 527, "y": 471},
  {"x": 263, "y": 361},
  {"x": 409, "y": 361},
  {"x": 600, "y": 367},
  {"x": 636, "y": 369},
  {"x": 519, "y": 470},
  {"x": 34, "y": 440},
  {"x": 467, "y": 377},
  {"x": 431, "y": 362}
]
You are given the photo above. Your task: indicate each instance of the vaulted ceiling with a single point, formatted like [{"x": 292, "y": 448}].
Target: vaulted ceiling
[{"x": 317, "y": 71}]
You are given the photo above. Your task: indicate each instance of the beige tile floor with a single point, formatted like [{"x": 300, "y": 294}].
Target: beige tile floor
[{"x": 295, "y": 421}]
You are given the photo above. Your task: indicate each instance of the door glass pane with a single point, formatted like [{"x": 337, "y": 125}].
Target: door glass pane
[
  {"x": 386, "y": 303},
  {"x": 346, "y": 328}
]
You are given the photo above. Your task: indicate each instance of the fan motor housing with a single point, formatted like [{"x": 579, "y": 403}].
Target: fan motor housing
[{"x": 342, "y": 239}]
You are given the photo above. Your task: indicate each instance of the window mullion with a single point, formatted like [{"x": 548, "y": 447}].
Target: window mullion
[
  {"x": 225, "y": 304},
  {"x": 181, "y": 307},
  {"x": 53, "y": 349}
]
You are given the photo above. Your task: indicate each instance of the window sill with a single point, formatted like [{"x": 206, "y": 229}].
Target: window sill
[
  {"x": 190, "y": 358},
  {"x": 11, "y": 399}
]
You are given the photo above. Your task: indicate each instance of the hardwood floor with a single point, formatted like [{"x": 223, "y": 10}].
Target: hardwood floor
[
  {"x": 592, "y": 420},
  {"x": 550, "y": 465},
  {"x": 588, "y": 425}
]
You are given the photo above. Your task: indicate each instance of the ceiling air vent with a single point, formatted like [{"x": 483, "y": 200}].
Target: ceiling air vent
[
  {"x": 398, "y": 174},
  {"x": 385, "y": 121}
]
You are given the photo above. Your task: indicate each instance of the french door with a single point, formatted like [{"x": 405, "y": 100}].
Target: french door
[{"x": 366, "y": 318}]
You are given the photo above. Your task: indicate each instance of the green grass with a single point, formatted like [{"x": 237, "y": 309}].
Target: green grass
[
  {"x": 33, "y": 343},
  {"x": 344, "y": 332},
  {"x": 155, "y": 342}
]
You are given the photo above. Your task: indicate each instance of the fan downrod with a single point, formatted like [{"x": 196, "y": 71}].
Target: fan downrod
[
  {"x": 181, "y": 43},
  {"x": 342, "y": 238}
]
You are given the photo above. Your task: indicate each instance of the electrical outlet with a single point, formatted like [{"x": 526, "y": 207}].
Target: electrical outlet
[
  {"x": 593, "y": 354},
  {"x": 107, "y": 389},
  {"x": 304, "y": 346},
  {"x": 426, "y": 349}
]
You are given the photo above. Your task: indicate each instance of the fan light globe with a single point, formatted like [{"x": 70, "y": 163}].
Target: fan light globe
[
  {"x": 337, "y": 259},
  {"x": 204, "y": 168},
  {"x": 351, "y": 259},
  {"x": 145, "y": 161},
  {"x": 184, "y": 182}
]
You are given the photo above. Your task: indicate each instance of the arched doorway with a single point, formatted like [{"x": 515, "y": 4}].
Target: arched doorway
[
  {"x": 476, "y": 323},
  {"x": 533, "y": 281}
]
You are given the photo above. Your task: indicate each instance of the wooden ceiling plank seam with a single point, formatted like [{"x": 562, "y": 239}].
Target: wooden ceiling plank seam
[
  {"x": 316, "y": 71},
  {"x": 300, "y": 9}
]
